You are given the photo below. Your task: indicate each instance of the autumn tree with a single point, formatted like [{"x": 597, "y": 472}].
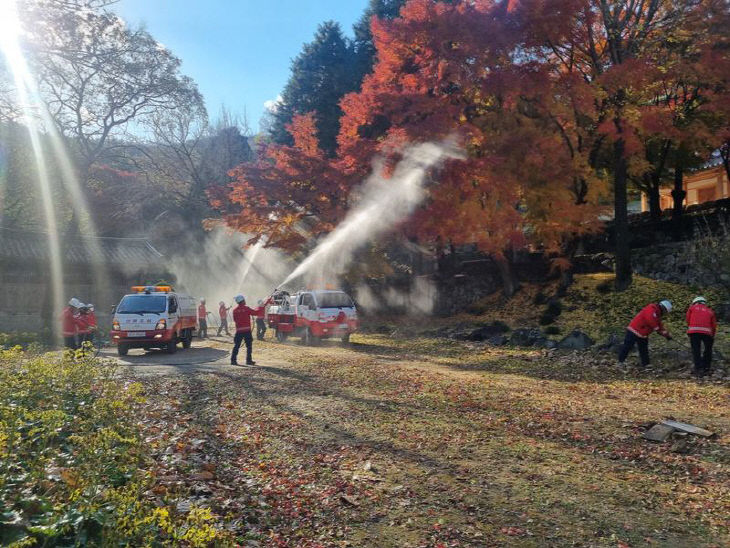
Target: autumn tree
[
  {"x": 365, "y": 51},
  {"x": 291, "y": 194},
  {"x": 614, "y": 47},
  {"x": 445, "y": 68}
]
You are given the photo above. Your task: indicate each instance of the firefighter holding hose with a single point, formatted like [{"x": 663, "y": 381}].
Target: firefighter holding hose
[
  {"x": 646, "y": 322},
  {"x": 242, "y": 318}
]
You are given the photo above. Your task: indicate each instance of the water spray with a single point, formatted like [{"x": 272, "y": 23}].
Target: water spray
[{"x": 384, "y": 203}]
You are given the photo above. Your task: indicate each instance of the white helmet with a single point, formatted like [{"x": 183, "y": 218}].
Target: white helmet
[
  {"x": 699, "y": 299},
  {"x": 666, "y": 305},
  {"x": 202, "y": 301},
  {"x": 76, "y": 303},
  {"x": 90, "y": 307},
  {"x": 240, "y": 299},
  {"x": 221, "y": 303}
]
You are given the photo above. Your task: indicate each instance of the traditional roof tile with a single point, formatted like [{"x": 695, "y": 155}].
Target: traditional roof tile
[{"x": 25, "y": 246}]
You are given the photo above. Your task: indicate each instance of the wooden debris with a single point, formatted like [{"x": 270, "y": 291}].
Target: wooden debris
[
  {"x": 659, "y": 433},
  {"x": 689, "y": 428}
]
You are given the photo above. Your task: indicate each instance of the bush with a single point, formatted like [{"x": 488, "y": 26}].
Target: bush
[
  {"x": 500, "y": 325},
  {"x": 477, "y": 308},
  {"x": 605, "y": 286},
  {"x": 547, "y": 319},
  {"x": 554, "y": 307},
  {"x": 72, "y": 459},
  {"x": 9, "y": 340}
]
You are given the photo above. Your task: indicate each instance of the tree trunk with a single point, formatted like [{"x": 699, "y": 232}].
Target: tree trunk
[
  {"x": 621, "y": 218},
  {"x": 566, "y": 276},
  {"x": 678, "y": 194},
  {"x": 510, "y": 285},
  {"x": 655, "y": 207},
  {"x": 653, "y": 181}
]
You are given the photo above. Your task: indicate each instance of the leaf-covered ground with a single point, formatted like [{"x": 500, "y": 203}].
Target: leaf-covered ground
[{"x": 427, "y": 442}]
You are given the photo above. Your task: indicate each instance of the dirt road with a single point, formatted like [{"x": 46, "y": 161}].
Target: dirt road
[{"x": 429, "y": 443}]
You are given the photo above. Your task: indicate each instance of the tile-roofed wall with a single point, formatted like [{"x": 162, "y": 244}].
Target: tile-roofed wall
[{"x": 16, "y": 245}]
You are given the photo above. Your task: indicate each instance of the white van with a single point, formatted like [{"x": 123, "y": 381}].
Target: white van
[{"x": 153, "y": 317}]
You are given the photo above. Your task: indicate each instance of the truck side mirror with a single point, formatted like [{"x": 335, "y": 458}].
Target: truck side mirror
[{"x": 114, "y": 309}]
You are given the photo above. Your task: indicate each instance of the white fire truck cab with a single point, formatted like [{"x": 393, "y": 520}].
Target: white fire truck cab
[
  {"x": 313, "y": 315},
  {"x": 153, "y": 317}
]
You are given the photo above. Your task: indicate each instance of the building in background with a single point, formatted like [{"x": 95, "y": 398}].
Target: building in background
[
  {"x": 95, "y": 270},
  {"x": 704, "y": 185}
]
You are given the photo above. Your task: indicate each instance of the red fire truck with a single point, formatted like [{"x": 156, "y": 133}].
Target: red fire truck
[{"x": 312, "y": 315}]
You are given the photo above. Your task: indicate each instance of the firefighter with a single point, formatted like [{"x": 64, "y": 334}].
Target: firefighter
[
  {"x": 643, "y": 324},
  {"x": 260, "y": 324},
  {"x": 70, "y": 323},
  {"x": 701, "y": 329},
  {"x": 223, "y": 313},
  {"x": 202, "y": 320},
  {"x": 242, "y": 318},
  {"x": 91, "y": 322},
  {"x": 84, "y": 325}
]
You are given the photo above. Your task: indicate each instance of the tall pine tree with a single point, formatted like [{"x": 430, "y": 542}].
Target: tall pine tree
[
  {"x": 326, "y": 70},
  {"x": 320, "y": 76}
]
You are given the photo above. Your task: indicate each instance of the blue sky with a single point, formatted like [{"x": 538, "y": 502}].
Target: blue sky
[{"x": 238, "y": 51}]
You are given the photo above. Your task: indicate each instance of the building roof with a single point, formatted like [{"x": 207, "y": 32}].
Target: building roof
[
  {"x": 714, "y": 160},
  {"x": 25, "y": 246}
]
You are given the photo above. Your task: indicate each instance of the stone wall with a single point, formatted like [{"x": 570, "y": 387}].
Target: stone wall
[
  {"x": 474, "y": 279},
  {"x": 673, "y": 263}
]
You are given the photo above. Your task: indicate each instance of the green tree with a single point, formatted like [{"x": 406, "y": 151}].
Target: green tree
[{"x": 320, "y": 76}]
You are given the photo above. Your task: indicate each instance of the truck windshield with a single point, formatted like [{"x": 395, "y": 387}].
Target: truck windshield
[
  {"x": 142, "y": 304},
  {"x": 334, "y": 300}
]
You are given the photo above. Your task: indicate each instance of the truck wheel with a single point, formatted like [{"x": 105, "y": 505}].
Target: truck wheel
[
  {"x": 346, "y": 338},
  {"x": 308, "y": 339},
  {"x": 187, "y": 338},
  {"x": 122, "y": 349},
  {"x": 171, "y": 347}
]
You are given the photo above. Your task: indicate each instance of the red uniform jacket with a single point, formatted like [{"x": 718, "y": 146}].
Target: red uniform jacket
[
  {"x": 701, "y": 319},
  {"x": 69, "y": 322},
  {"x": 223, "y": 312},
  {"x": 202, "y": 312},
  {"x": 648, "y": 320},
  {"x": 83, "y": 323},
  {"x": 242, "y": 316}
]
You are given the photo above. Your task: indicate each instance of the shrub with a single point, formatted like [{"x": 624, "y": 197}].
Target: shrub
[
  {"x": 605, "y": 286},
  {"x": 16, "y": 338},
  {"x": 500, "y": 325},
  {"x": 72, "y": 459},
  {"x": 477, "y": 308},
  {"x": 547, "y": 319},
  {"x": 554, "y": 307}
]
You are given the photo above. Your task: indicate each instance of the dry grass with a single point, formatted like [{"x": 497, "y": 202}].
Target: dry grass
[{"x": 425, "y": 442}]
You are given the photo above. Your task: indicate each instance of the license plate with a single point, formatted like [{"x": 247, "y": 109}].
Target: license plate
[{"x": 136, "y": 333}]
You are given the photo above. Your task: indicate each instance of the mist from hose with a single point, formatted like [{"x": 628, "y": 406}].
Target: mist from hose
[{"x": 384, "y": 202}]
